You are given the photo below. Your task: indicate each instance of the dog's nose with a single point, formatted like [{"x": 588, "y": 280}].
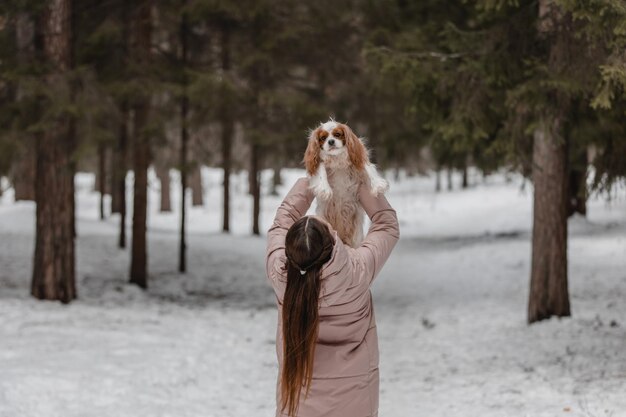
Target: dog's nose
[{"x": 331, "y": 142}]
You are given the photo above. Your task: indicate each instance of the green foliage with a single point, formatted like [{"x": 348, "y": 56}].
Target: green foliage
[
  {"x": 479, "y": 76},
  {"x": 471, "y": 80}
]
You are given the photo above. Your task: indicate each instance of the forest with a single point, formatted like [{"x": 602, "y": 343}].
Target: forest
[{"x": 116, "y": 112}]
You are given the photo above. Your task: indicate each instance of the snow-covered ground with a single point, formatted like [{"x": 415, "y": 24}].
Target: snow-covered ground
[{"x": 450, "y": 306}]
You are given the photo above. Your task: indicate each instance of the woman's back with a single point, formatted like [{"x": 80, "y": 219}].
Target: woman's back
[{"x": 345, "y": 366}]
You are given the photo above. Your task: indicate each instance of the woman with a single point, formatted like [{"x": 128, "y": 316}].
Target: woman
[{"x": 326, "y": 341}]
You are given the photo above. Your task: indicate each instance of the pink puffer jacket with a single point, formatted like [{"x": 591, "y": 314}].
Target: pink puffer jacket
[{"x": 345, "y": 371}]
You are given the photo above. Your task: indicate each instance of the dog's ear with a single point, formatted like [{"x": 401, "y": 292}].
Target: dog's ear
[
  {"x": 356, "y": 150},
  {"x": 312, "y": 154}
]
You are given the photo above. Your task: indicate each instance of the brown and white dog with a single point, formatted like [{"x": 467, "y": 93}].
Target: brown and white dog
[{"x": 337, "y": 163}]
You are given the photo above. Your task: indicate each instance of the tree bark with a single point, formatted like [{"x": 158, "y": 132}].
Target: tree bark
[
  {"x": 548, "y": 282},
  {"x": 255, "y": 165},
  {"x": 73, "y": 144},
  {"x": 276, "y": 180},
  {"x": 251, "y": 179},
  {"x": 54, "y": 260},
  {"x": 182, "y": 250},
  {"x": 114, "y": 179},
  {"x": 226, "y": 120},
  {"x": 121, "y": 153},
  {"x": 577, "y": 179},
  {"x": 102, "y": 177},
  {"x": 23, "y": 176},
  {"x": 121, "y": 168},
  {"x": 465, "y": 182},
  {"x": 184, "y": 139},
  {"x": 195, "y": 180},
  {"x": 23, "y": 170},
  {"x": 163, "y": 173},
  {"x": 577, "y": 193},
  {"x": 141, "y": 148},
  {"x": 138, "y": 269}
]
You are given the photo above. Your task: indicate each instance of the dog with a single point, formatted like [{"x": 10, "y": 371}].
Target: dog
[{"x": 337, "y": 164}]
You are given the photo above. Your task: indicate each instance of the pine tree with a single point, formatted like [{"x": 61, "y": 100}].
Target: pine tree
[
  {"x": 184, "y": 135},
  {"x": 141, "y": 29},
  {"x": 54, "y": 260},
  {"x": 572, "y": 41},
  {"x": 548, "y": 283},
  {"x": 508, "y": 84},
  {"x": 607, "y": 21}
]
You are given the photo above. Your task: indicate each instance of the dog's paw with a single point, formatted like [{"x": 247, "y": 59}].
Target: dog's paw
[
  {"x": 322, "y": 191},
  {"x": 379, "y": 187},
  {"x": 325, "y": 194}
]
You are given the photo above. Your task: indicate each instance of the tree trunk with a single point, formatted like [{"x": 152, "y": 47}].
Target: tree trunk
[
  {"x": 182, "y": 252},
  {"x": 548, "y": 281},
  {"x": 23, "y": 170},
  {"x": 184, "y": 138},
  {"x": 251, "y": 179},
  {"x": 121, "y": 171},
  {"x": 226, "y": 120},
  {"x": 577, "y": 190},
  {"x": 138, "y": 269},
  {"x": 449, "y": 174},
  {"x": 196, "y": 187},
  {"x": 73, "y": 143},
  {"x": 114, "y": 179},
  {"x": 102, "y": 177},
  {"x": 276, "y": 180},
  {"x": 141, "y": 148},
  {"x": 163, "y": 173},
  {"x": 54, "y": 261},
  {"x": 121, "y": 155},
  {"x": 465, "y": 182},
  {"x": 73, "y": 125},
  {"x": 23, "y": 176},
  {"x": 438, "y": 180},
  {"x": 255, "y": 165}
]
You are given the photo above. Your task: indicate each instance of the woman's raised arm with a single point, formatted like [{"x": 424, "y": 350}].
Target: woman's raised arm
[
  {"x": 383, "y": 233},
  {"x": 294, "y": 206}
]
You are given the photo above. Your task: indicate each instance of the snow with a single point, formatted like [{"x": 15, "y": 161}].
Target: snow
[{"x": 450, "y": 307}]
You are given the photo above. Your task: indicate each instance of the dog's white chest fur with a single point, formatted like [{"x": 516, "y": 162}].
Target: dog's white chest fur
[
  {"x": 343, "y": 178},
  {"x": 342, "y": 209}
]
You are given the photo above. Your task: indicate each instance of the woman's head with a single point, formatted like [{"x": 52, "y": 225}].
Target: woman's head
[{"x": 308, "y": 245}]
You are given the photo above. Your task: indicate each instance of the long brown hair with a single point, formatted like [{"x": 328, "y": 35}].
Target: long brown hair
[{"x": 308, "y": 246}]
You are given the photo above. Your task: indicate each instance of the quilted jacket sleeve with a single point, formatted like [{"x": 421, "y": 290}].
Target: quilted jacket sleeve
[
  {"x": 383, "y": 233},
  {"x": 294, "y": 206}
]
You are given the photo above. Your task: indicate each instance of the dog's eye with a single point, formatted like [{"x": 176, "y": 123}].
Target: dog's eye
[{"x": 337, "y": 134}]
